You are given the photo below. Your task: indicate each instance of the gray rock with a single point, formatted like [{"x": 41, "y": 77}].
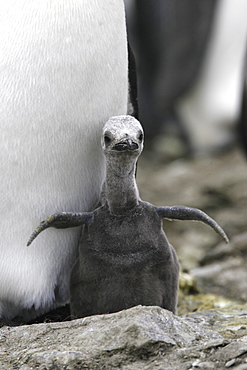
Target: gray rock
[
  {"x": 225, "y": 271},
  {"x": 229, "y": 322},
  {"x": 137, "y": 338}
]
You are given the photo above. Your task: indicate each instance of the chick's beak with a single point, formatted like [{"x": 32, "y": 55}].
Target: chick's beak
[{"x": 126, "y": 144}]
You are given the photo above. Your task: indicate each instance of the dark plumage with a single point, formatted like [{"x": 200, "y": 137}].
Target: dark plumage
[{"x": 125, "y": 258}]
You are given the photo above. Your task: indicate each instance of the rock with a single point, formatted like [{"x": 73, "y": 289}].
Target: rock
[
  {"x": 201, "y": 302},
  {"x": 137, "y": 338},
  {"x": 190, "y": 299},
  {"x": 237, "y": 247},
  {"x": 229, "y": 322},
  {"x": 225, "y": 271}
]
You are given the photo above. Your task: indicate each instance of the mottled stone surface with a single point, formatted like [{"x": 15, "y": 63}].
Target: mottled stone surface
[
  {"x": 141, "y": 337},
  {"x": 224, "y": 270}
]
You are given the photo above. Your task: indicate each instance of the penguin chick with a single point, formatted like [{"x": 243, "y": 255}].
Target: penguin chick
[{"x": 125, "y": 258}]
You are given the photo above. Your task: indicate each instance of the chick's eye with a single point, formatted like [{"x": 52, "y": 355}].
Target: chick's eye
[
  {"x": 107, "y": 139},
  {"x": 140, "y": 138}
]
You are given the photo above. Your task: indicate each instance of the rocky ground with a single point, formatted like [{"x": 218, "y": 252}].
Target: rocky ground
[
  {"x": 139, "y": 338},
  {"x": 210, "y": 331}
]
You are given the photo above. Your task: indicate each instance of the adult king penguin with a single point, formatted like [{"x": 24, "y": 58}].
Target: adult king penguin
[{"x": 64, "y": 72}]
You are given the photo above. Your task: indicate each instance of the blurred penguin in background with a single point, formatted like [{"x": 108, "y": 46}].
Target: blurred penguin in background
[{"x": 190, "y": 61}]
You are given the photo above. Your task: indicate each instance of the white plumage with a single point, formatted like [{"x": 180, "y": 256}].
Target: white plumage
[{"x": 63, "y": 73}]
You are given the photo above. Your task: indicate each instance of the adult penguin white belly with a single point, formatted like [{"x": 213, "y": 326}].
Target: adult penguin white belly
[{"x": 63, "y": 74}]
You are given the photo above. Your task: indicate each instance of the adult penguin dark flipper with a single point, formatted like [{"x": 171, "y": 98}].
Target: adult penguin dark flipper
[
  {"x": 242, "y": 125},
  {"x": 133, "y": 95}
]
